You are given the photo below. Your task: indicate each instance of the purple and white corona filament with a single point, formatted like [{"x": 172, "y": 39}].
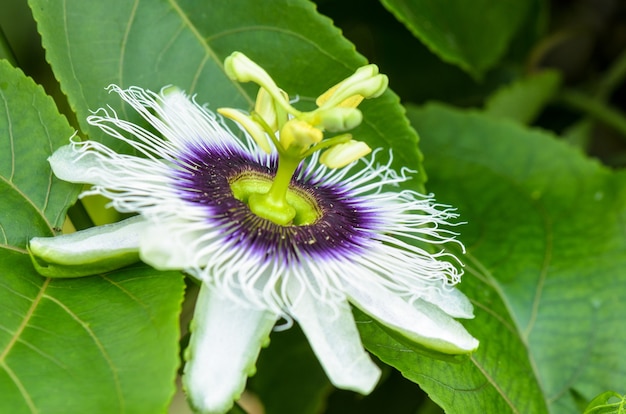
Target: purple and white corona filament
[{"x": 334, "y": 231}]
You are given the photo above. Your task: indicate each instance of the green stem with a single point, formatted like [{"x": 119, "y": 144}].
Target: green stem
[
  {"x": 268, "y": 130},
  {"x": 613, "y": 78},
  {"x": 339, "y": 139},
  {"x": 273, "y": 205},
  {"x": 595, "y": 109},
  {"x": 286, "y": 168}
]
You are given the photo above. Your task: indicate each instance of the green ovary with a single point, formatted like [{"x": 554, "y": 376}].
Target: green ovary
[{"x": 254, "y": 184}]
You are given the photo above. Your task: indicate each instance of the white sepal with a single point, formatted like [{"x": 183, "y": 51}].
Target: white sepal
[
  {"x": 421, "y": 322},
  {"x": 76, "y": 167},
  {"x": 332, "y": 333},
  {"x": 166, "y": 247},
  {"x": 225, "y": 342},
  {"x": 452, "y": 301},
  {"x": 87, "y": 252}
]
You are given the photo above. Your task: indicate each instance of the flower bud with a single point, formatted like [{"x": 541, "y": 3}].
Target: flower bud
[
  {"x": 366, "y": 82},
  {"x": 240, "y": 68},
  {"x": 255, "y": 130},
  {"x": 339, "y": 119},
  {"x": 341, "y": 155}
]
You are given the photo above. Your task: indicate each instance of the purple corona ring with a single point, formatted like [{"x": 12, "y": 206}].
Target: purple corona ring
[{"x": 272, "y": 229}]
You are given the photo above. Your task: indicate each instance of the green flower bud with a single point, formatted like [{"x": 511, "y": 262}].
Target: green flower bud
[
  {"x": 341, "y": 155},
  {"x": 339, "y": 119}
]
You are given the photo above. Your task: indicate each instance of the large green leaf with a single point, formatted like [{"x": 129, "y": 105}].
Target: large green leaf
[
  {"x": 104, "y": 344},
  {"x": 471, "y": 34},
  {"x": 545, "y": 267},
  {"x": 31, "y": 200},
  {"x": 91, "y": 44}
]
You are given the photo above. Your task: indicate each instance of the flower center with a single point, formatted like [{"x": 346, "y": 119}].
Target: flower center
[
  {"x": 252, "y": 186},
  {"x": 295, "y": 135}
]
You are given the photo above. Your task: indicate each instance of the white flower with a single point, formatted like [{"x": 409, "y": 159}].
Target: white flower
[{"x": 349, "y": 239}]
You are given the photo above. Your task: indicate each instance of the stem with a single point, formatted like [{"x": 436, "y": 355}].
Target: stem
[
  {"x": 286, "y": 168},
  {"x": 268, "y": 130},
  {"x": 595, "y": 109},
  {"x": 339, "y": 139},
  {"x": 273, "y": 205},
  {"x": 613, "y": 78}
]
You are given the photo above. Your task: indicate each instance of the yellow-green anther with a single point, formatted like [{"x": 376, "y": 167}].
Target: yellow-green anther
[
  {"x": 341, "y": 155},
  {"x": 273, "y": 115},
  {"x": 366, "y": 82},
  {"x": 339, "y": 119},
  {"x": 170, "y": 89},
  {"x": 264, "y": 106},
  {"x": 240, "y": 68},
  {"x": 88, "y": 252},
  {"x": 255, "y": 130},
  {"x": 296, "y": 136}
]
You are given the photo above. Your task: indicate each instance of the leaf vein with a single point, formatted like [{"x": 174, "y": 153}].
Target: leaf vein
[
  {"x": 278, "y": 30},
  {"x": 168, "y": 45},
  {"x": 11, "y": 138},
  {"x": 129, "y": 25},
  {"x": 30, "y": 201},
  {"x": 196, "y": 76},
  {"x": 27, "y": 398},
  {"x": 45, "y": 127},
  {"x": 98, "y": 344},
  {"x": 24, "y": 323},
  {"x": 70, "y": 59},
  {"x": 494, "y": 384},
  {"x": 209, "y": 51},
  {"x": 542, "y": 276}
]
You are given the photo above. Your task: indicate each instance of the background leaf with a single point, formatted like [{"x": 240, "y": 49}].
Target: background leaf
[
  {"x": 184, "y": 42},
  {"x": 102, "y": 344},
  {"x": 473, "y": 35},
  {"x": 280, "y": 381},
  {"x": 544, "y": 267},
  {"x": 525, "y": 99}
]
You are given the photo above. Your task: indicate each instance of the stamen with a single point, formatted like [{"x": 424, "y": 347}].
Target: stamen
[
  {"x": 303, "y": 134},
  {"x": 343, "y": 154}
]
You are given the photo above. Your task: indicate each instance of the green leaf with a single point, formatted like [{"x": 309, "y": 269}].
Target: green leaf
[
  {"x": 608, "y": 402},
  {"x": 32, "y": 202},
  {"x": 470, "y": 384},
  {"x": 107, "y": 343},
  {"x": 546, "y": 253},
  {"x": 184, "y": 43},
  {"x": 470, "y": 34},
  {"x": 523, "y": 100},
  {"x": 100, "y": 344},
  {"x": 289, "y": 378}
]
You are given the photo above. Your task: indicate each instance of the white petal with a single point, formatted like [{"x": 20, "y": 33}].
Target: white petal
[
  {"x": 332, "y": 333},
  {"x": 164, "y": 248},
  {"x": 70, "y": 165},
  {"x": 421, "y": 322},
  {"x": 452, "y": 301},
  {"x": 225, "y": 343},
  {"x": 87, "y": 252}
]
